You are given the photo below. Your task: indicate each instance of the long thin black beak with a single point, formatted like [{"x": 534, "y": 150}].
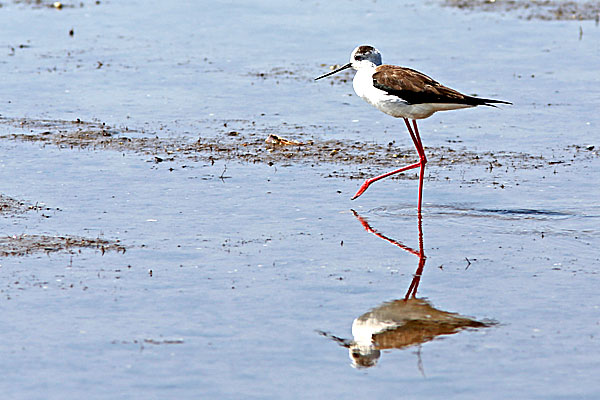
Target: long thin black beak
[{"x": 343, "y": 67}]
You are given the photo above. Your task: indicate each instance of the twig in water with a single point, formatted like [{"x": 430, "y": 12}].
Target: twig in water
[{"x": 222, "y": 176}]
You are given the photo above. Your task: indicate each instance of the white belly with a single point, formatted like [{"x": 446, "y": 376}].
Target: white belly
[{"x": 393, "y": 105}]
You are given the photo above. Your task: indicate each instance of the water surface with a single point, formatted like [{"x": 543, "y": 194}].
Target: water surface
[{"x": 233, "y": 270}]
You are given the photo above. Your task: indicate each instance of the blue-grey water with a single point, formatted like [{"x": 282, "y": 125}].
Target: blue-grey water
[{"x": 246, "y": 270}]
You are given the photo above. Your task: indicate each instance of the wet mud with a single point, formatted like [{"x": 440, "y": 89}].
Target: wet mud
[
  {"x": 21, "y": 245},
  {"x": 12, "y": 207},
  {"x": 550, "y": 10},
  {"x": 25, "y": 244},
  {"x": 285, "y": 146}
]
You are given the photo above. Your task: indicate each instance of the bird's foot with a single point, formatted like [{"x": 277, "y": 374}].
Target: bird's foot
[{"x": 362, "y": 189}]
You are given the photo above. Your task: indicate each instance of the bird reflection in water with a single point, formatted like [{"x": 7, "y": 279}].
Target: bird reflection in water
[{"x": 400, "y": 323}]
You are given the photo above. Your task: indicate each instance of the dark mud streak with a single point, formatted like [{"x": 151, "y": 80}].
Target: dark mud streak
[
  {"x": 20, "y": 245},
  {"x": 550, "y": 10},
  {"x": 524, "y": 211}
]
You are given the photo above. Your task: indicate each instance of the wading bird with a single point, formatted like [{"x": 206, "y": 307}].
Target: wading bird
[{"x": 403, "y": 93}]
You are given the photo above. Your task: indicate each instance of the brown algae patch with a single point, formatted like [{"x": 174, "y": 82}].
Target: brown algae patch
[
  {"x": 550, "y": 10},
  {"x": 11, "y": 207},
  {"x": 283, "y": 145},
  {"x": 20, "y": 245}
]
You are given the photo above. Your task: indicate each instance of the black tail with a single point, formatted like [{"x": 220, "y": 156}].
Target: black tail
[{"x": 477, "y": 101}]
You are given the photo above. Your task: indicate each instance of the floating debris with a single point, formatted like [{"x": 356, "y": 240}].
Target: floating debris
[{"x": 281, "y": 141}]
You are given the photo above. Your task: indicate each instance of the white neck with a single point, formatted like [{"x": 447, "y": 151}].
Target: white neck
[{"x": 363, "y": 80}]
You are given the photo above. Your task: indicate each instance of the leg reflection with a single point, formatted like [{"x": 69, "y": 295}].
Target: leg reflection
[
  {"x": 400, "y": 323},
  {"x": 412, "y": 290}
]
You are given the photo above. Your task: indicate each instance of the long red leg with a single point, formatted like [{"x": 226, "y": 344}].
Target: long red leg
[{"x": 422, "y": 161}]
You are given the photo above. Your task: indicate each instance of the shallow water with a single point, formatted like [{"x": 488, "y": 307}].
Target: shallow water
[{"x": 233, "y": 270}]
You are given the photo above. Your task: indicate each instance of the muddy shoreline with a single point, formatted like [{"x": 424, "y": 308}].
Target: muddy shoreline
[
  {"x": 253, "y": 144},
  {"x": 549, "y": 10}
]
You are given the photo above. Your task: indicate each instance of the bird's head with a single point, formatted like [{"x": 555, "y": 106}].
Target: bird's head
[
  {"x": 362, "y": 56},
  {"x": 365, "y": 54}
]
